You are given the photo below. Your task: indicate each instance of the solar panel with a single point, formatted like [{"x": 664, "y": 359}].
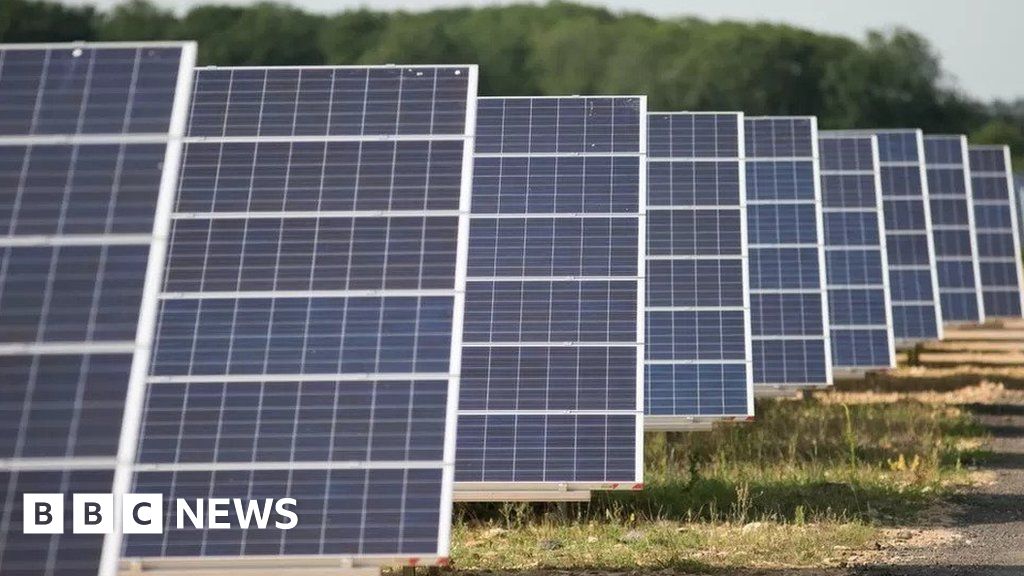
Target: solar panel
[
  {"x": 788, "y": 307},
  {"x": 856, "y": 271},
  {"x": 1018, "y": 190},
  {"x": 913, "y": 278},
  {"x": 97, "y": 89},
  {"x": 553, "y": 351},
  {"x": 956, "y": 255},
  {"x": 89, "y": 135},
  {"x": 698, "y": 314},
  {"x": 997, "y": 238},
  {"x": 50, "y": 554},
  {"x": 309, "y": 322}
]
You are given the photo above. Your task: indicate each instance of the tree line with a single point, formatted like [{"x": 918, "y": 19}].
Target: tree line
[{"x": 888, "y": 79}]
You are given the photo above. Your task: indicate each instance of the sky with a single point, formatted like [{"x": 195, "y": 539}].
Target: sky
[{"x": 977, "y": 40}]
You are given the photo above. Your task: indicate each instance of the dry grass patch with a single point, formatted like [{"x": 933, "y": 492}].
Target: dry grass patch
[
  {"x": 658, "y": 545},
  {"x": 812, "y": 483}
]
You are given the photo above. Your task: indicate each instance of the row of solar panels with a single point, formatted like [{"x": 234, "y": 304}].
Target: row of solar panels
[{"x": 262, "y": 282}]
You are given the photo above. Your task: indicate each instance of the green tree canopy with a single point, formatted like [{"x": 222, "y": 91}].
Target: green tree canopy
[
  {"x": 42, "y": 21},
  {"x": 137, "y": 20}
]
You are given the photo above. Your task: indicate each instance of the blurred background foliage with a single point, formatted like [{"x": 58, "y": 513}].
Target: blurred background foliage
[{"x": 888, "y": 79}]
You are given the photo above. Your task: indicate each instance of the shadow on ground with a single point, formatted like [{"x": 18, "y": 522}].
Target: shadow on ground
[
  {"x": 929, "y": 382},
  {"x": 973, "y": 570},
  {"x": 712, "y": 499},
  {"x": 694, "y": 570}
]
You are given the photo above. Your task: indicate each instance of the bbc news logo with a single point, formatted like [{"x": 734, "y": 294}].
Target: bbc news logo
[{"x": 144, "y": 513}]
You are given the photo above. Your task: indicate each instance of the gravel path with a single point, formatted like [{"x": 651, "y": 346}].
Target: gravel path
[
  {"x": 979, "y": 533},
  {"x": 986, "y": 523}
]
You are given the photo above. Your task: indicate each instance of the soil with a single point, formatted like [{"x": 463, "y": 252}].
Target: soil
[
  {"x": 978, "y": 532},
  {"x": 981, "y": 531}
]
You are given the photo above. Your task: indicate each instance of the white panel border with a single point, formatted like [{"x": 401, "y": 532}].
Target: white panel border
[{"x": 146, "y": 330}]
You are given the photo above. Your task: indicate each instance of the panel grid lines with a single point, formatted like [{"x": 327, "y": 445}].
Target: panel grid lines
[
  {"x": 87, "y": 139},
  {"x": 996, "y": 233},
  {"x": 88, "y": 90},
  {"x": 910, "y": 241},
  {"x": 856, "y": 268},
  {"x": 698, "y": 322},
  {"x": 956, "y": 253},
  {"x": 552, "y": 338},
  {"x": 789, "y": 304},
  {"x": 307, "y": 320}
]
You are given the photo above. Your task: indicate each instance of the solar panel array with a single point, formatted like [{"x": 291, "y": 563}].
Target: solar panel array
[
  {"x": 309, "y": 321},
  {"x": 698, "y": 315},
  {"x": 554, "y": 295},
  {"x": 288, "y": 281},
  {"x": 997, "y": 238},
  {"x": 855, "y": 267},
  {"x": 788, "y": 310},
  {"x": 956, "y": 256},
  {"x": 88, "y": 143},
  {"x": 913, "y": 279}
]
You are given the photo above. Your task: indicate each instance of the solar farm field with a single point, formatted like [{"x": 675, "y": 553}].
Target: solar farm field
[
  {"x": 716, "y": 298},
  {"x": 893, "y": 469}
]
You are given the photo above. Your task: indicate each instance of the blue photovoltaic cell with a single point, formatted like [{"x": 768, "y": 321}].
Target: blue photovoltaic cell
[
  {"x": 536, "y": 311},
  {"x": 293, "y": 335},
  {"x": 561, "y": 126},
  {"x": 956, "y": 255},
  {"x": 364, "y": 253},
  {"x": 62, "y": 405},
  {"x": 84, "y": 133},
  {"x": 511, "y": 378},
  {"x": 698, "y": 349},
  {"x": 551, "y": 323},
  {"x": 506, "y": 448},
  {"x": 70, "y": 293},
  {"x": 785, "y": 239},
  {"x": 320, "y": 176},
  {"x": 294, "y": 421},
  {"x": 85, "y": 89},
  {"x": 79, "y": 189},
  {"x": 401, "y": 508},
  {"x": 855, "y": 266},
  {"x": 64, "y": 554},
  {"x": 306, "y": 322},
  {"x": 996, "y": 231},
  {"x": 555, "y": 184},
  {"x": 329, "y": 101},
  {"x": 913, "y": 278}
]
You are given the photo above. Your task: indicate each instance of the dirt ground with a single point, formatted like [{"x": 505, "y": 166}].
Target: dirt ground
[{"x": 979, "y": 532}]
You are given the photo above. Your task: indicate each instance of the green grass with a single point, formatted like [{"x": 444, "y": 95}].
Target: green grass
[
  {"x": 656, "y": 545},
  {"x": 809, "y": 460},
  {"x": 807, "y": 478}
]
